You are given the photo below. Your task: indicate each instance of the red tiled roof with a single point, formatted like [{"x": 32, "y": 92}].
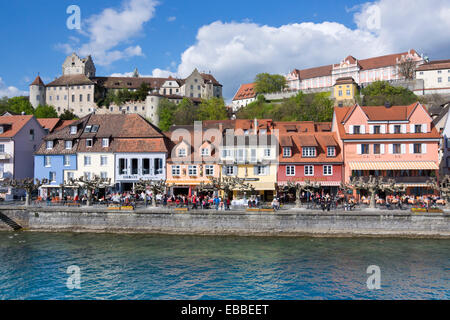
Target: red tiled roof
[
  {"x": 246, "y": 91},
  {"x": 71, "y": 80},
  {"x": 49, "y": 123},
  {"x": 434, "y": 65},
  {"x": 37, "y": 82},
  {"x": 13, "y": 124}
]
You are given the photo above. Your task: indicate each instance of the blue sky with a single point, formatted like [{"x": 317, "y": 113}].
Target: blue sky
[{"x": 233, "y": 39}]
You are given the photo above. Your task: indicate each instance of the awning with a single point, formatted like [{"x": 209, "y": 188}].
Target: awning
[
  {"x": 322, "y": 183},
  {"x": 394, "y": 165},
  {"x": 179, "y": 183}
]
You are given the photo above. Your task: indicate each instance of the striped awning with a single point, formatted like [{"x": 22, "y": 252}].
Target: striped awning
[{"x": 394, "y": 165}]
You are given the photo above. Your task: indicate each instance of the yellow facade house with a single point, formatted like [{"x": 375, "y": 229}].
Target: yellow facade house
[{"x": 345, "y": 91}]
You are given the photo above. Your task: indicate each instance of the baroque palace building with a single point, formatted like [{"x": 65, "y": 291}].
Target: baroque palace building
[{"x": 79, "y": 89}]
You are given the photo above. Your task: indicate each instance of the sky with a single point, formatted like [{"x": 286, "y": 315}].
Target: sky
[{"x": 233, "y": 39}]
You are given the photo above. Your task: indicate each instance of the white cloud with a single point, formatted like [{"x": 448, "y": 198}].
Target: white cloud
[
  {"x": 236, "y": 52},
  {"x": 171, "y": 19},
  {"x": 111, "y": 30},
  {"x": 10, "y": 91},
  {"x": 156, "y": 73}
]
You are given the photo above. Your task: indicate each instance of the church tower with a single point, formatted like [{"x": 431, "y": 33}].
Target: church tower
[{"x": 37, "y": 92}]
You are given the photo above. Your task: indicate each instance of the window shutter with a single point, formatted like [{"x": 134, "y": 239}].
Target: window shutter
[
  {"x": 382, "y": 148},
  {"x": 370, "y": 129},
  {"x": 403, "y": 128},
  {"x": 383, "y": 129},
  {"x": 358, "y": 149},
  {"x": 411, "y": 148},
  {"x": 390, "y": 148},
  {"x": 391, "y": 128},
  {"x": 351, "y": 130},
  {"x": 424, "y": 148},
  {"x": 255, "y": 170},
  {"x": 424, "y": 128},
  {"x": 224, "y": 170},
  {"x": 411, "y": 128},
  {"x": 235, "y": 170},
  {"x": 363, "y": 129},
  {"x": 403, "y": 147}
]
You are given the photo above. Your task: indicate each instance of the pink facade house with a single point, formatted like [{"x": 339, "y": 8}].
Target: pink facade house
[
  {"x": 398, "y": 142},
  {"x": 20, "y": 136}
]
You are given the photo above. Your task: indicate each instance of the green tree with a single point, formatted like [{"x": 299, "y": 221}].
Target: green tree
[
  {"x": 142, "y": 93},
  {"x": 166, "y": 110},
  {"x": 185, "y": 113},
  {"x": 46, "y": 111},
  {"x": 212, "y": 109},
  {"x": 267, "y": 83},
  {"x": 380, "y": 92},
  {"x": 68, "y": 115},
  {"x": 19, "y": 105},
  {"x": 259, "y": 109}
]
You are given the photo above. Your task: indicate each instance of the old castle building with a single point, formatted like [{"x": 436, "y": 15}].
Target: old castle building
[{"x": 79, "y": 89}]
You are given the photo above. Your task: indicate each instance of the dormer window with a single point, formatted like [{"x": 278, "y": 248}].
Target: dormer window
[
  {"x": 356, "y": 130},
  {"x": 263, "y": 131},
  {"x": 287, "y": 152},
  {"x": 105, "y": 143},
  {"x": 2, "y": 129},
  {"x": 418, "y": 128},
  {"x": 182, "y": 152},
  {"x": 73, "y": 130},
  {"x": 308, "y": 152},
  {"x": 87, "y": 129},
  {"x": 89, "y": 143},
  {"x": 205, "y": 152},
  {"x": 331, "y": 151},
  {"x": 68, "y": 145},
  {"x": 94, "y": 129},
  {"x": 49, "y": 145}
]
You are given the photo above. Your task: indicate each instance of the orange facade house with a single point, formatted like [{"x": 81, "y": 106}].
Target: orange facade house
[{"x": 398, "y": 142}]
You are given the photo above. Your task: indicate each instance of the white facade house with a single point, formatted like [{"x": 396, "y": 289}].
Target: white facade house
[
  {"x": 436, "y": 77},
  {"x": 244, "y": 96}
]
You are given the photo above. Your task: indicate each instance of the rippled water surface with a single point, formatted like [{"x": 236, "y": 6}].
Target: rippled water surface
[{"x": 34, "y": 266}]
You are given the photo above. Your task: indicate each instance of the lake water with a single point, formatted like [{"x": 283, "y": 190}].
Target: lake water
[{"x": 34, "y": 266}]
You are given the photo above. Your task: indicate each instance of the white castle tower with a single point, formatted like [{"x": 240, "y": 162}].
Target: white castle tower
[
  {"x": 74, "y": 65},
  {"x": 37, "y": 92}
]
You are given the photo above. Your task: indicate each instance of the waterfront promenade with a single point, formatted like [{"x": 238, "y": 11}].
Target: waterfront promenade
[{"x": 292, "y": 222}]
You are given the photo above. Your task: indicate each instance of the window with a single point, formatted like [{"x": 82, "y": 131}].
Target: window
[
  {"x": 158, "y": 166},
  {"x": 87, "y": 160},
  {"x": 67, "y": 161},
  {"x": 87, "y": 129},
  {"x": 2, "y": 148},
  {"x": 94, "y": 127},
  {"x": 68, "y": 144},
  {"x": 418, "y": 128},
  {"x": 205, "y": 152},
  {"x": 417, "y": 148},
  {"x": 327, "y": 170},
  {"x": 290, "y": 170},
  {"x": 73, "y": 98},
  {"x": 87, "y": 175},
  {"x": 182, "y": 152},
  {"x": 348, "y": 92},
  {"x": 340, "y": 93},
  {"x": 49, "y": 145},
  {"x": 70, "y": 175},
  {"x": 364, "y": 149},
  {"x": 263, "y": 131},
  {"x": 89, "y": 143},
  {"x": 134, "y": 166},
  {"x": 209, "y": 170},
  {"x": 81, "y": 98},
  {"x": 356, "y": 129},
  {"x": 145, "y": 166},
  {"x": 123, "y": 166},
  {"x": 240, "y": 155},
  {"x": 396, "y": 148},
  {"x": 47, "y": 161},
  {"x": 73, "y": 130},
  {"x": 266, "y": 152},
  {"x": 287, "y": 152},
  {"x": 192, "y": 170},
  {"x": 176, "y": 170},
  {"x": 229, "y": 170},
  {"x": 376, "y": 148},
  {"x": 88, "y": 97},
  {"x": 376, "y": 129},
  {"x": 308, "y": 152},
  {"x": 331, "y": 151},
  {"x": 105, "y": 142},
  {"x": 52, "y": 176},
  {"x": 309, "y": 170},
  {"x": 261, "y": 170},
  {"x": 226, "y": 153},
  {"x": 104, "y": 175},
  {"x": 31, "y": 134},
  {"x": 439, "y": 79},
  {"x": 103, "y": 160}
]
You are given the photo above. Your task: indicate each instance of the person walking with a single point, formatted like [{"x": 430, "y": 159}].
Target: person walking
[{"x": 216, "y": 202}]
